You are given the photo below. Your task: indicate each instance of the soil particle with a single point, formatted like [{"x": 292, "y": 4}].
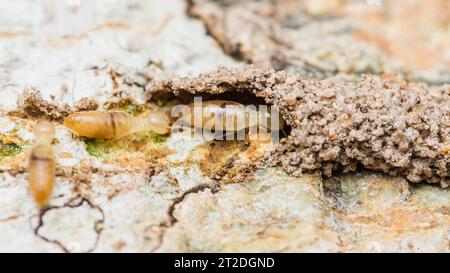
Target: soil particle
[
  {"x": 32, "y": 105},
  {"x": 118, "y": 99},
  {"x": 388, "y": 125},
  {"x": 86, "y": 104}
]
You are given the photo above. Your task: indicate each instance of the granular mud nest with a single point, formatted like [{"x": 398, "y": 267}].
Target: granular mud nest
[{"x": 381, "y": 124}]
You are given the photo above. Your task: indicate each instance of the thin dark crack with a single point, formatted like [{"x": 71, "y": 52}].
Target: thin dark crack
[
  {"x": 98, "y": 226},
  {"x": 215, "y": 188},
  {"x": 179, "y": 199}
]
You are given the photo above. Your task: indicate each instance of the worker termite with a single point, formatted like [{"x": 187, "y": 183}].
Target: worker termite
[
  {"x": 229, "y": 117},
  {"x": 42, "y": 164},
  {"x": 116, "y": 124}
]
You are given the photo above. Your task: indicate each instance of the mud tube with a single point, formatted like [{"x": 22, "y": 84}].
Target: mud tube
[{"x": 387, "y": 125}]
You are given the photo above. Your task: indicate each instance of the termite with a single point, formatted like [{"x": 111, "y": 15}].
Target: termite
[
  {"x": 221, "y": 119},
  {"x": 116, "y": 124},
  {"x": 223, "y": 115},
  {"x": 42, "y": 163}
]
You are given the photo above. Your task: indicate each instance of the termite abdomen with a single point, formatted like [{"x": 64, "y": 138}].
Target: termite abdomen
[
  {"x": 116, "y": 124},
  {"x": 99, "y": 124},
  {"x": 41, "y": 169}
]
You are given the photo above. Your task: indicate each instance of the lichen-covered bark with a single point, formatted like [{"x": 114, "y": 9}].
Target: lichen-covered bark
[
  {"x": 321, "y": 38},
  {"x": 386, "y": 125},
  {"x": 171, "y": 193}
]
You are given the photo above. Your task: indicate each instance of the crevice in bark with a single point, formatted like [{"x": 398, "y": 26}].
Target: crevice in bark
[
  {"x": 172, "y": 220},
  {"x": 98, "y": 227}
]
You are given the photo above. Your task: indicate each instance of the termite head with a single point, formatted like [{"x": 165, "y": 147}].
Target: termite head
[
  {"x": 44, "y": 130},
  {"x": 157, "y": 121}
]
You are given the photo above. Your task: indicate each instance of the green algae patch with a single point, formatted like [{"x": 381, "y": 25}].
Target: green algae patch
[
  {"x": 94, "y": 147},
  {"x": 9, "y": 149},
  {"x": 11, "y": 144},
  {"x": 156, "y": 138},
  {"x": 137, "y": 109},
  {"x": 132, "y": 108},
  {"x": 144, "y": 144}
]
